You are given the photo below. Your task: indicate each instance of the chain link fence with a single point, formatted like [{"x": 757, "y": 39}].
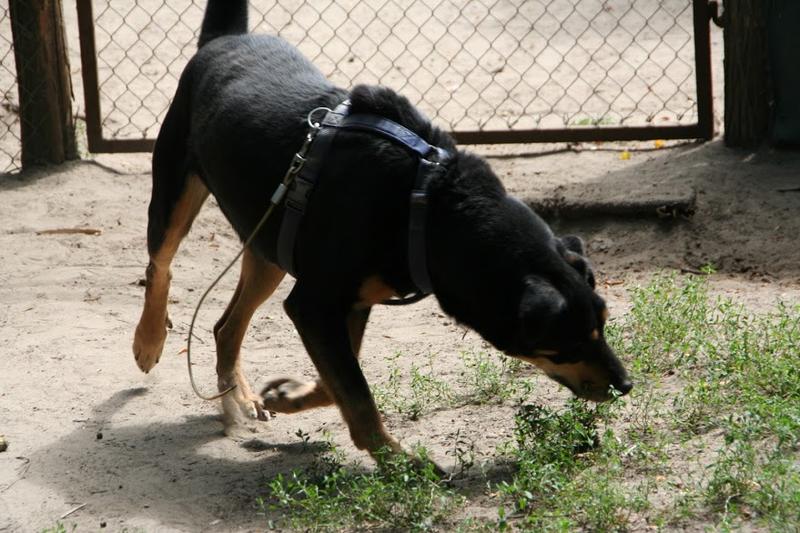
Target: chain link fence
[
  {"x": 469, "y": 64},
  {"x": 10, "y": 146}
]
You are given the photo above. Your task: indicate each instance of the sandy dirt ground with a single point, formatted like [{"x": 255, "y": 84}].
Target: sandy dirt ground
[
  {"x": 88, "y": 433},
  {"x": 86, "y": 428}
]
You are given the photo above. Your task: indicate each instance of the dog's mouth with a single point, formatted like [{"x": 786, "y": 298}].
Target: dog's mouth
[
  {"x": 584, "y": 380},
  {"x": 588, "y": 390}
]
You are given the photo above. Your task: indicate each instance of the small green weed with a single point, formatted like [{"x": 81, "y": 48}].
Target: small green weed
[
  {"x": 566, "y": 480},
  {"x": 665, "y": 329},
  {"x": 425, "y": 391},
  {"x": 593, "y": 121},
  {"x": 398, "y": 496},
  {"x": 486, "y": 378},
  {"x": 60, "y": 528},
  {"x": 491, "y": 378}
]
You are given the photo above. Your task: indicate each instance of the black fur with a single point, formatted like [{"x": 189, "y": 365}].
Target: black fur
[
  {"x": 238, "y": 117},
  {"x": 227, "y": 17}
]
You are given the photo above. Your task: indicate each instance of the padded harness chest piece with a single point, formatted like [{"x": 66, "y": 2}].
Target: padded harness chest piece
[{"x": 303, "y": 185}]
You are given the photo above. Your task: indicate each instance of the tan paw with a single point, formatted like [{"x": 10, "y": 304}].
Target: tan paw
[
  {"x": 148, "y": 343},
  {"x": 289, "y": 395},
  {"x": 240, "y": 405}
]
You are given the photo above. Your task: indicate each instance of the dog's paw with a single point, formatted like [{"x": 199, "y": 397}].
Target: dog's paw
[
  {"x": 240, "y": 406},
  {"x": 148, "y": 343},
  {"x": 289, "y": 395}
]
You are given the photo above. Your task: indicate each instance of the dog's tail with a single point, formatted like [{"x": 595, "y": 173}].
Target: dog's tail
[{"x": 223, "y": 17}]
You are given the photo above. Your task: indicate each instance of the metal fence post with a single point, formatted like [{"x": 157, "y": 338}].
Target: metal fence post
[{"x": 45, "y": 90}]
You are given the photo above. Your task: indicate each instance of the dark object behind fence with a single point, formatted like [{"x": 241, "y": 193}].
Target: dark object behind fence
[{"x": 784, "y": 45}]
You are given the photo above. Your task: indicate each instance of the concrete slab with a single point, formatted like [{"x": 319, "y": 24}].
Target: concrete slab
[{"x": 601, "y": 182}]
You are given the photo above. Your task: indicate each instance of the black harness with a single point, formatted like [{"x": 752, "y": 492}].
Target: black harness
[{"x": 300, "y": 191}]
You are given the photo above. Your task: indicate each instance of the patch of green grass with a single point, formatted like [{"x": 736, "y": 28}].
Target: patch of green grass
[
  {"x": 736, "y": 372},
  {"x": 485, "y": 378},
  {"x": 398, "y": 496},
  {"x": 424, "y": 392},
  {"x": 489, "y": 378},
  {"x": 566, "y": 478},
  {"x": 739, "y": 376},
  {"x": 709, "y": 438},
  {"x": 593, "y": 121},
  {"x": 665, "y": 328}
]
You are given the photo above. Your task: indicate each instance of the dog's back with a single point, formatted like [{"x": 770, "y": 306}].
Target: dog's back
[{"x": 239, "y": 112}]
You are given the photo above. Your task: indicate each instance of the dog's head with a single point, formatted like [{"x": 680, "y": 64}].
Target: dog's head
[
  {"x": 561, "y": 325},
  {"x": 534, "y": 299},
  {"x": 561, "y": 330}
]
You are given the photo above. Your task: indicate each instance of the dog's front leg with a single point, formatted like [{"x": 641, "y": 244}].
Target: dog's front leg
[
  {"x": 284, "y": 394},
  {"x": 323, "y": 327},
  {"x": 258, "y": 280}
]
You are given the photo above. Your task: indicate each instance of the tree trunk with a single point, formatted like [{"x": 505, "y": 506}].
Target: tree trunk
[
  {"x": 747, "y": 86},
  {"x": 43, "y": 79}
]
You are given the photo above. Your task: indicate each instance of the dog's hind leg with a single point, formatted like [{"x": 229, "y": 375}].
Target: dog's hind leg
[
  {"x": 290, "y": 395},
  {"x": 258, "y": 280},
  {"x": 163, "y": 241},
  {"x": 176, "y": 198}
]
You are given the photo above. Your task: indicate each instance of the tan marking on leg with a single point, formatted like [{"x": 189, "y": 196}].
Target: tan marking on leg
[
  {"x": 356, "y": 324},
  {"x": 604, "y": 314},
  {"x": 257, "y": 281},
  {"x": 289, "y": 395},
  {"x": 151, "y": 330},
  {"x": 374, "y": 291}
]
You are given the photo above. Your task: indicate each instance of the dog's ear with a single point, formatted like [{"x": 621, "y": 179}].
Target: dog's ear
[
  {"x": 574, "y": 253},
  {"x": 541, "y": 304},
  {"x": 573, "y": 243}
]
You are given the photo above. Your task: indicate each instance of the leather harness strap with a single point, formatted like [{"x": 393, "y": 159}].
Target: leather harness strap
[{"x": 300, "y": 191}]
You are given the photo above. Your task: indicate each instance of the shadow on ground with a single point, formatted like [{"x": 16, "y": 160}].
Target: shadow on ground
[
  {"x": 172, "y": 471},
  {"x": 683, "y": 208}
]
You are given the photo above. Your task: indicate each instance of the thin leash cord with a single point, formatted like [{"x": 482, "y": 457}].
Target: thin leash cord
[
  {"x": 295, "y": 166},
  {"x": 202, "y": 299}
]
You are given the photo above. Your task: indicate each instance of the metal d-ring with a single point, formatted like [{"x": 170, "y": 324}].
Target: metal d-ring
[{"x": 310, "y": 119}]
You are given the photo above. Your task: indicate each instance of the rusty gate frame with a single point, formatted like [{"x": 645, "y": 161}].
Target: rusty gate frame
[{"x": 702, "y": 13}]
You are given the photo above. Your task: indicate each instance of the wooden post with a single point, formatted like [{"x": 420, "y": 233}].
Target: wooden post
[
  {"x": 747, "y": 95},
  {"x": 43, "y": 79}
]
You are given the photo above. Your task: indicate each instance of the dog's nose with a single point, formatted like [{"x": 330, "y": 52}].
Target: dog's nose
[{"x": 625, "y": 387}]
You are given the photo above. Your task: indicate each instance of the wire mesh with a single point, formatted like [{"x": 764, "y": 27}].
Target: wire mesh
[
  {"x": 469, "y": 64},
  {"x": 10, "y": 146}
]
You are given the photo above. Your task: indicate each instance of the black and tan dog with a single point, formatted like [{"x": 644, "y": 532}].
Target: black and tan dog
[{"x": 237, "y": 119}]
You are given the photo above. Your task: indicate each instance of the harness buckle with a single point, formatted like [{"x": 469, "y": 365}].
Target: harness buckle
[
  {"x": 317, "y": 124},
  {"x": 297, "y": 163}
]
